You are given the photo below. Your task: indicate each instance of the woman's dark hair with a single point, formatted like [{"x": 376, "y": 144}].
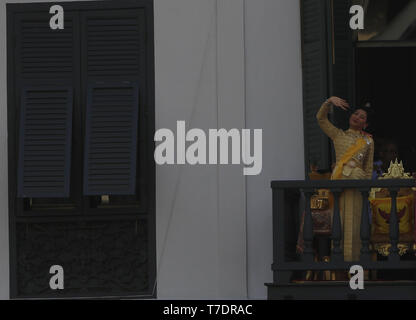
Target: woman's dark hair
[{"x": 367, "y": 108}]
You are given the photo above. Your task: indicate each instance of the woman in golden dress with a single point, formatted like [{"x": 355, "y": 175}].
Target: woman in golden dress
[{"x": 354, "y": 151}]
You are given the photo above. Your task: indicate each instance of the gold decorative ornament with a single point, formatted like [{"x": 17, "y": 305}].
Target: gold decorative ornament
[
  {"x": 320, "y": 201},
  {"x": 395, "y": 171},
  {"x": 384, "y": 248},
  {"x": 380, "y": 201}
]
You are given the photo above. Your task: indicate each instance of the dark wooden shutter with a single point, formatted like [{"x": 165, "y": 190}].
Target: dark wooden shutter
[
  {"x": 114, "y": 51},
  {"x": 45, "y": 142},
  {"x": 315, "y": 80},
  {"x": 44, "y": 54},
  {"x": 111, "y": 139},
  {"x": 113, "y": 44},
  {"x": 45, "y": 72},
  {"x": 328, "y": 70},
  {"x": 342, "y": 66}
]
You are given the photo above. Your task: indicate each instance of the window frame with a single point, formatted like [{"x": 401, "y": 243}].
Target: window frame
[
  {"x": 145, "y": 166},
  {"x": 84, "y": 213}
]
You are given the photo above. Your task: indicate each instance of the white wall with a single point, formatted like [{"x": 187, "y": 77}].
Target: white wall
[
  {"x": 215, "y": 204},
  {"x": 274, "y": 103},
  {"x": 201, "y": 229}
]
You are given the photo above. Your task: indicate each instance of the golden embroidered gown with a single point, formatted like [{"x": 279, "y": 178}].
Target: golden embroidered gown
[{"x": 359, "y": 165}]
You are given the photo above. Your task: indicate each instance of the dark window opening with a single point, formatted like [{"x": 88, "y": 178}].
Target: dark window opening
[{"x": 387, "y": 77}]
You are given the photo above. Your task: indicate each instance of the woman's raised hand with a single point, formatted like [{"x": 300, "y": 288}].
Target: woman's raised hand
[{"x": 338, "y": 102}]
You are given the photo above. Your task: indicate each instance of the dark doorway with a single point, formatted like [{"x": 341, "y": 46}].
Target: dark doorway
[{"x": 386, "y": 77}]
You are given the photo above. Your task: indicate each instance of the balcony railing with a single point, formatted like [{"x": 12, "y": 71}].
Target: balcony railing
[{"x": 287, "y": 211}]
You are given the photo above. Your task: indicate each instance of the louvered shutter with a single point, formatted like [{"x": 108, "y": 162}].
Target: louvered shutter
[
  {"x": 45, "y": 142},
  {"x": 45, "y": 72},
  {"x": 113, "y": 43},
  {"x": 315, "y": 80},
  {"x": 44, "y": 54},
  {"x": 342, "y": 79},
  {"x": 111, "y": 139}
]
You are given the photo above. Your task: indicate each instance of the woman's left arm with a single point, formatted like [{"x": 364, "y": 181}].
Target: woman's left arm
[{"x": 368, "y": 165}]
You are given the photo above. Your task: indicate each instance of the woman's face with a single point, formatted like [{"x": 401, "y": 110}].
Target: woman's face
[{"x": 358, "y": 120}]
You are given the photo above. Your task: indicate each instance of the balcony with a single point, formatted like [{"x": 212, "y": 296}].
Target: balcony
[{"x": 291, "y": 199}]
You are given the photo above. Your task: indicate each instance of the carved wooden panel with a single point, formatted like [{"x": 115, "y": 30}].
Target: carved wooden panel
[{"x": 98, "y": 257}]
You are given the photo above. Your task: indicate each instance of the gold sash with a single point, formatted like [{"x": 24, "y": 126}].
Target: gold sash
[{"x": 360, "y": 143}]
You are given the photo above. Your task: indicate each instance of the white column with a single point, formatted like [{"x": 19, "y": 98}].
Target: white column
[
  {"x": 199, "y": 52},
  {"x": 232, "y": 251},
  {"x": 274, "y": 103}
]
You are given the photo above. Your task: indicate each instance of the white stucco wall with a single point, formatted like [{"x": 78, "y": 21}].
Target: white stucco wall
[
  {"x": 219, "y": 63},
  {"x": 199, "y": 56},
  {"x": 274, "y": 103},
  {"x": 216, "y": 205}
]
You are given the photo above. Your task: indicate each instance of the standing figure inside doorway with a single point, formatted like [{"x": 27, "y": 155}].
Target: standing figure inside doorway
[{"x": 354, "y": 151}]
